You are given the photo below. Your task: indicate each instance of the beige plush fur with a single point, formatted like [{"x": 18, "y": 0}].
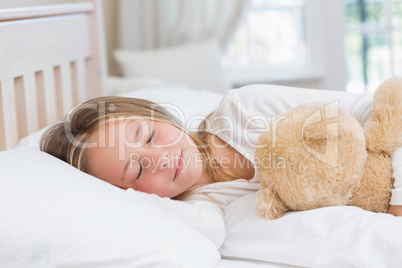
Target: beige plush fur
[{"x": 321, "y": 156}]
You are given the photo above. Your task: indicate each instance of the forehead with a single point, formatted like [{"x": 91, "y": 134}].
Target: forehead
[
  {"x": 111, "y": 139},
  {"x": 122, "y": 128}
]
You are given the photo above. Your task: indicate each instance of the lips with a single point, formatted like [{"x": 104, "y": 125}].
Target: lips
[{"x": 179, "y": 166}]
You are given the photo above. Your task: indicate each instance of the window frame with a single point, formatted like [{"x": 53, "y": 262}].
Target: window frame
[{"x": 365, "y": 30}]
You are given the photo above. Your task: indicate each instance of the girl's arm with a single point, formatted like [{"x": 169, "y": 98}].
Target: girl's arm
[
  {"x": 395, "y": 210},
  {"x": 396, "y": 198},
  {"x": 204, "y": 216}
]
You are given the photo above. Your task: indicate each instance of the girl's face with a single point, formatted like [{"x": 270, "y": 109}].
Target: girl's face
[{"x": 148, "y": 156}]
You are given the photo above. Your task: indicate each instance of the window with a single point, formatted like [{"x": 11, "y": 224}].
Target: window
[
  {"x": 271, "y": 44},
  {"x": 373, "y": 42}
]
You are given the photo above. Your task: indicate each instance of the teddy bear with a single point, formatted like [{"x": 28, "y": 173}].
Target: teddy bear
[{"x": 324, "y": 157}]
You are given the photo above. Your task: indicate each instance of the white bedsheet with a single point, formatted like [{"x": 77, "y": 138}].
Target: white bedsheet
[{"x": 240, "y": 263}]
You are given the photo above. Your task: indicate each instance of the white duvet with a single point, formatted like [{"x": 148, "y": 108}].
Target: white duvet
[{"x": 327, "y": 237}]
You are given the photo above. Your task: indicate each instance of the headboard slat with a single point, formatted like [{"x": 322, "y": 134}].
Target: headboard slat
[
  {"x": 74, "y": 86},
  {"x": 31, "y": 102},
  {"x": 20, "y": 103},
  {"x": 50, "y": 95},
  {"x": 40, "y": 92},
  {"x": 59, "y": 91},
  {"x": 2, "y": 125},
  {"x": 9, "y": 113},
  {"x": 81, "y": 80},
  {"x": 67, "y": 89}
]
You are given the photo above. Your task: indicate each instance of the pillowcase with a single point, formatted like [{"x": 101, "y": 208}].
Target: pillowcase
[
  {"x": 196, "y": 65},
  {"x": 54, "y": 215},
  {"x": 119, "y": 85}
]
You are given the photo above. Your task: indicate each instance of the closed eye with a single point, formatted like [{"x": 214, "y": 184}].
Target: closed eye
[
  {"x": 139, "y": 173},
  {"x": 149, "y": 140},
  {"x": 152, "y": 136}
]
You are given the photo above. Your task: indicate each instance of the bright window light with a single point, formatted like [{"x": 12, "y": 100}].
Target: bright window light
[
  {"x": 373, "y": 42},
  {"x": 272, "y": 38}
]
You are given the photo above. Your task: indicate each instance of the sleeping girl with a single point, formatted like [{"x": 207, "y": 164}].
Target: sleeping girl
[{"x": 138, "y": 145}]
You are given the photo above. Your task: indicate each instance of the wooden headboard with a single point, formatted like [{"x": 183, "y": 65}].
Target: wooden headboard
[{"x": 51, "y": 58}]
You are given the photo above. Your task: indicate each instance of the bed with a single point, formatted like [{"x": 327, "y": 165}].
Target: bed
[{"x": 53, "y": 215}]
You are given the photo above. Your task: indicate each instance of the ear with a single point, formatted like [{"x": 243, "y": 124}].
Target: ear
[{"x": 270, "y": 206}]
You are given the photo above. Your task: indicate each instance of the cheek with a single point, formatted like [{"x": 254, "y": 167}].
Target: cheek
[
  {"x": 180, "y": 138},
  {"x": 151, "y": 185},
  {"x": 168, "y": 137}
]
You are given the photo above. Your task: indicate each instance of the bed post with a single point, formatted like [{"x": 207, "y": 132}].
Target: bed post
[{"x": 96, "y": 80}]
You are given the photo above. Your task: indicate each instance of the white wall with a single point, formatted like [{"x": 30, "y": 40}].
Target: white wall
[{"x": 333, "y": 34}]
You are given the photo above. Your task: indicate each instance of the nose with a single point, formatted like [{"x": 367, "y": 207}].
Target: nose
[
  {"x": 164, "y": 160},
  {"x": 160, "y": 159}
]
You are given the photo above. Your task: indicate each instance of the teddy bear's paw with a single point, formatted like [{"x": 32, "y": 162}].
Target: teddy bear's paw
[{"x": 270, "y": 206}]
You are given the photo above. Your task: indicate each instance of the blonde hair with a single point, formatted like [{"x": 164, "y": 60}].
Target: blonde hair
[{"x": 68, "y": 139}]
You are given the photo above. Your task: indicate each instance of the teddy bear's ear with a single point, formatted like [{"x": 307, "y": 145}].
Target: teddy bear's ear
[
  {"x": 383, "y": 132},
  {"x": 269, "y": 205}
]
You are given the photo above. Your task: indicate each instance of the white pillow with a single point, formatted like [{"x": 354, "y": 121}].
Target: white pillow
[
  {"x": 32, "y": 140},
  {"x": 197, "y": 65},
  {"x": 327, "y": 237},
  {"x": 119, "y": 85},
  {"x": 53, "y": 215}
]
